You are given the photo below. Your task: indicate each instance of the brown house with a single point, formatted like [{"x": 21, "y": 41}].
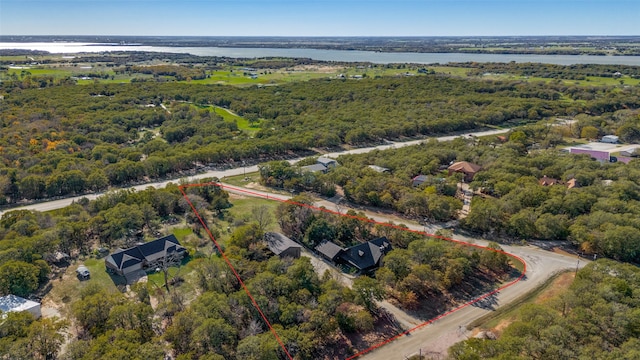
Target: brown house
[
  {"x": 547, "y": 181},
  {"x": 468, "y": 169}
]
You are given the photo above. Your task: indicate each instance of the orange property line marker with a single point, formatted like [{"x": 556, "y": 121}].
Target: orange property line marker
[{"x": 255, "y": 304}]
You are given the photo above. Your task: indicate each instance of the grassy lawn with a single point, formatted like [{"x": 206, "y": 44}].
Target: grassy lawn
[
  {"x": 243, "y": 124},
  {"x": 67, "y": 290},
  {"x": 507, "y": 314},
  {"x": 239, "y": 180}
]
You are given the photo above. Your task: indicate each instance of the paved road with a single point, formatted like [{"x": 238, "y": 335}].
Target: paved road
[
  {"x": 57, "y": 204},
  {"x": 437, "y": 337}
]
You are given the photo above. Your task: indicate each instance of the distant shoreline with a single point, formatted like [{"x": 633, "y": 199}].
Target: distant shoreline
[
  {"x": 502, "y": 45},
  {"x": 330, "y": 55}
]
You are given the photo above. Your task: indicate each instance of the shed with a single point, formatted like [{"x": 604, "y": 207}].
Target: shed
[
  {"x": 13, "y": 303},
  {"x": 547, "y": 181},
  {"x": 612, "y": 139},
  {"x": 282, "y": 245}
]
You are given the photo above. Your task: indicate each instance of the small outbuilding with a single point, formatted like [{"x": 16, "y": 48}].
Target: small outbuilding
[
  {"x": 13, "y": 303},
  {"x": 282, "y": 245},
  {"x": 611, "y": 139}
]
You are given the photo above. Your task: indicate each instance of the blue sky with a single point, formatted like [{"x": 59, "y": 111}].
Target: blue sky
[{"x": 320, "y": 17}]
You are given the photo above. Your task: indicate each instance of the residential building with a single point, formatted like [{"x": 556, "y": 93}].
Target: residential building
[
  {"x": 468, "y": 169},
  {"x": 547, "y": 181},
  {"x": 363, "y": 257},
  {"x": 282, "y": 245},
  {"x": 151, "y": 255},
  {"x": 13, "y": 303}
]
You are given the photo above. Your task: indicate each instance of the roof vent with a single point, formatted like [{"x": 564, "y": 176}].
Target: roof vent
[{"x": 360, "y": 252}]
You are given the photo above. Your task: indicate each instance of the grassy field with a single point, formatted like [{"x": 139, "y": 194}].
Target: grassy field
[
  {"x": 243, "y": 124},
  {"x": 505, "y": 315}
]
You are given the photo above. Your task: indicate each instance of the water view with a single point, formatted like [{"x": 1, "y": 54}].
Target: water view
[{"x": 330, "y": 55}]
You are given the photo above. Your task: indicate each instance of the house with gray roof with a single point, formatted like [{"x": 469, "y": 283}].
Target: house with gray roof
[
  {"x": 282, "y": 245},
  {"x": 363, "y": 257},
  {"x": 366, "y": 256},
  {"x": 130, "y": 262},
  {"x": 329, "y": 250}
]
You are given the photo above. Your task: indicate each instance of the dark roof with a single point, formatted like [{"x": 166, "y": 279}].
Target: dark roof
[
  {"x": 168, "y": 243},
  {"x": 123, "y": 259},
  {"x": 367, "y": 255},
  {"x": 329, "y": 249},
  {"x": 279, "y": 243}
]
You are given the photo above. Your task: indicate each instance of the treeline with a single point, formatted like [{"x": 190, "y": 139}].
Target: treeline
[
  {"x": 314, "y": 315},
  {"x": 178, "y": 72},
  {"x": 30, "y": 241},
  {"x": 597, "y": 318},
  {"x": 568, "y": 72},
  {"x": 599, "y": 215},
  {"x": 71, "y": 139},
  {"x": 416, "y": 271}
]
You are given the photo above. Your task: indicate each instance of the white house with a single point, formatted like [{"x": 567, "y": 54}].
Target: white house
[
  {"x": 612, "y": 139},
  {"x": 16, "y": 303}
]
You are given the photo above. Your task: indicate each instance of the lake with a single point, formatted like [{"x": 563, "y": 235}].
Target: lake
[{"x": 330, "y": 55}]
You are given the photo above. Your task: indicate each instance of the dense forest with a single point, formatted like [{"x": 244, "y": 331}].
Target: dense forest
[
  {"x": 310, "y": 313},
  {"x": 597, "y": 318},
  {"x": 572, "y": 72},
  {"x": 61, "y": 139},
  {"x": 599, "y": 215},
  {"x": 418, "y": 271}
]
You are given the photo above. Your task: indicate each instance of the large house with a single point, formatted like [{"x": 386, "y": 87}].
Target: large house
[
  {"x": 282, "y": 245},
  {"x": 363, "y": 257},
  {"x": 468, "y": 169},
  {"x": 130, "y": 262}
]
